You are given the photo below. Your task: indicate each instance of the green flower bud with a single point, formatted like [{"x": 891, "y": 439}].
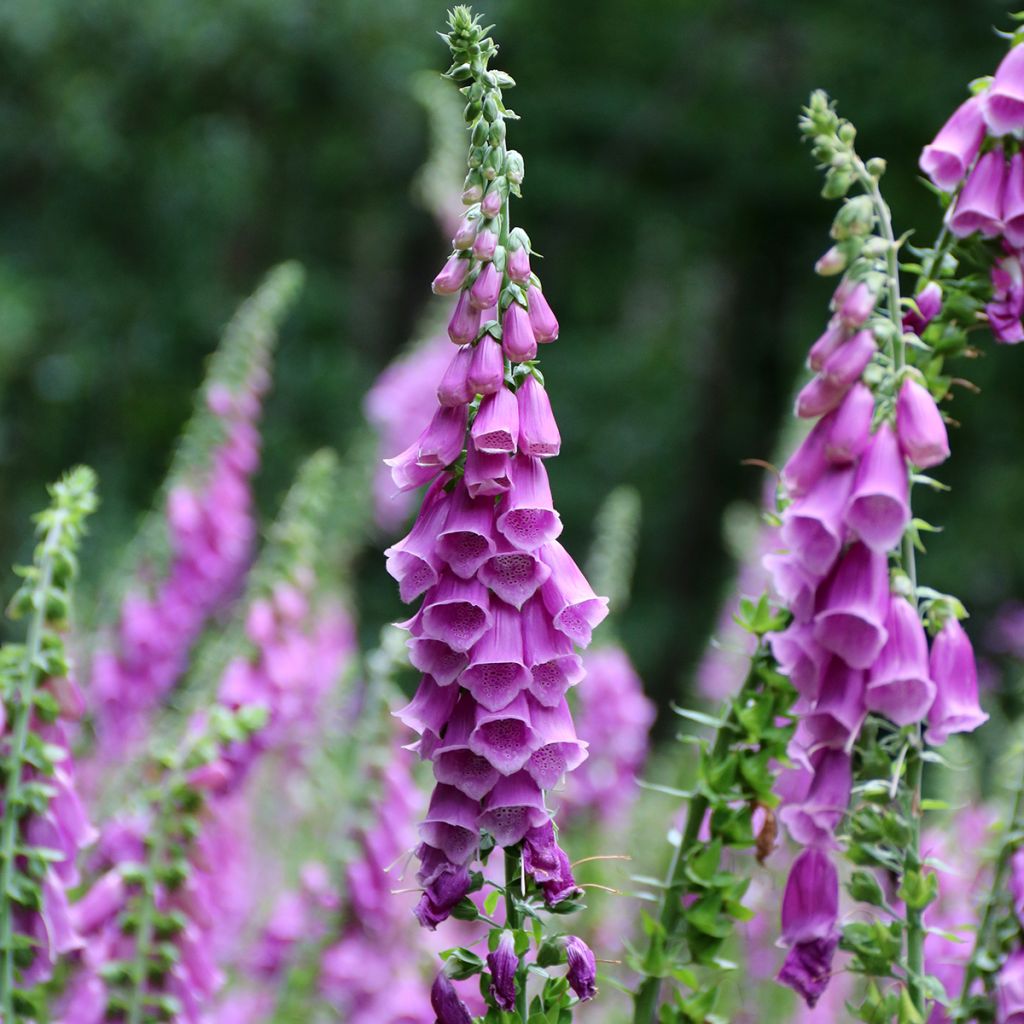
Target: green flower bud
[
  {"x": 492, "y": 165},
  {"x": 490, "y": 109},
  {"x": 478, "y": 137},
  {"x": 847, "y": 133},
  {"x": 855, "y": 217},
  {"x": 837, "y": 184},
  {"x": 476, "y": 156},
  {"x": 496, "y": 135},
  {"x": 472, "y": 188},
  {"x": 515, "y": 166},
  {"x": 876, "y": 167}
]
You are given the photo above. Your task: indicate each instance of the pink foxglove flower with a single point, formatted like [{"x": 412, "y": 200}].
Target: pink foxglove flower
[
  {"x": 980, "y": 204},
  {"x": 953, "y": 150},
  {"x": 1003, "y": 104}
]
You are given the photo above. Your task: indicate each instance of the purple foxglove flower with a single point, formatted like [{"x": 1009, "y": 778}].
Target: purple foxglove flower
[
  {"x": 465, "y": 321},
  {"x": 526, "y": 515},
  {"x": 450, "y": 1009},
  {"x": 496, "y": 427},
  {"x": 952, "y": 151},
  {"x": 503, "y": 964},
  {"x": 843, "y": 368},
  {"x": 793, "y": 583},
  {"x": 849, "y": 426},
  {"x": 834, "y": 336},
  {"x": 813, "y": 820},
  {"x": 852, "y": 605},
  {"x": 1007, "y": 306},
  {"x": 457, "y": 612},
  {"x": 486, "y": 288},
  {"x": 538, "y": 431},
  {"x": 455, "y": 764},
  {"x": 496, "y": 672},
  {"x": 549, "y": 655},
  {"x": 512, "y": 808},
  {"x": 839, "y": 712},
  {"x": 513, "y": 575},
  {"x": 441, "y": 442},
  {"x": 467, "y": 539},
  {"x": 505, "y": 737},
  {"x": 546, "y": 862},
  {"x": 485, "y": 243},
  {"x": 406, "y": 472},
  {"x": 430, "y": 707},
  {"x": 436, "y": 659},
  {"x": 1013, "y": 202},
  {"x": 810, "y": 907},
  {"x": 570, "y": 600},
  {"x": 560, "y": 751},
  {"x": 465, "y": 232},
  {"x": 582, "y": 973},
  {"x": 491, "y": 205},
  {"x": 487, "y": 368},
  {"x": 518, "y": 341},
  {"x": 455, "y": 388},
  {"x": 445, "y": 884},
  {"x": 979, "y": 206},
  {"x": 806, "y": 465},
  {"x": 955, "y": 675},
  {"x": 518, "y": 266},
  {"x": 452, "y": 275},
  {"x": 899, "y": 686},
  {"x": 929, "y": 304},
  {"x": 857, "y": 305},
  {"x": 413, "y": 561},
  {"x": 922, "y": 434},
  {"x": 545, "y": 326},
  {"x": 800, "y": 657},
  {"x": 451, "y": 824},
  {"x": 879, "y": 507},
  {"x": 812, "y": 526},
  {"x": 1010, "y": 987},
  {"x": 1003, "y": 104},
  {"x": 486, "y": 475}
]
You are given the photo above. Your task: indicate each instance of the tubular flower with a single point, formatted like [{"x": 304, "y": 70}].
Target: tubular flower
[{"x": 503, "y": 606}]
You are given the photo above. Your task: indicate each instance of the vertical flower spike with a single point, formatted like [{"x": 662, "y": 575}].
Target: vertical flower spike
[{"x": 503, "y": 604}]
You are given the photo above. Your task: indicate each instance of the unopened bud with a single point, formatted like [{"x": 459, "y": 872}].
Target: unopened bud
[
  {"x": 492, "y": 165},
  {"x": 855, "y": 217},
  {"x": 515, "y": 166},
  {"x": 837, "y": 184},
  {"x": 847, "y": 133},
  {"x": 876, "y": 167},
  {"x": 472, "y": 188},
  {"x": 490, "y": 110},
  {"x": 833, "y": 262}
]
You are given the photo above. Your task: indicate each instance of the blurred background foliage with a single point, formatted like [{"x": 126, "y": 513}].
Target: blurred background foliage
[{"x": 157, "y": 157}]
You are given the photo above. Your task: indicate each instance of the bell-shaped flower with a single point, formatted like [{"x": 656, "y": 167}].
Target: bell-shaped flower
[
  {"x": 512, "y": 808},
  {"x": 486, "y": 288},
  {"x": 430, "y": 708},
  {"x": 839, "y": 711},
  {"x": 879, "y": 507},
  {"x": 450, "y": 824},
  {"x": 792, "y": 582},
  {"x": 1013, "y": 202},
  {"x": 1003, "y": 103},
  {"x": 1007, "y": 306},
  {"x": 812, "y": 526},
  {"x": 436, "y": 658},
  {"x": 858, "y": 303},
  {"x": 800, "y": 657},
  {"x": 545, "y": 326},
  {"x": 849, "y": 426},
  {"x": 560, "y": 751},
  {"x": 455, "y": 764},
  {"x": 518, "y": 341},
  {"x": 526, "y": 515},
  {"x": 496, "y": 427},
  {"x": 814, "y": 819},
  {"x": 538, "y": 431},
  {"x": 899, "y": 685},
  {"x": 807, "y": 463},
  {"x": 843, "y": 368},
  {"x": 464, "y": 324},
  {"x": 503, "y": 963},
  {"x": 852, "y": 605},
  {"x": 919, "y": 427},
  {"x": 456, "y": 611},
  {"x": 833, "y": 336},
  {"x": 467, "y": 538},
  {"x": 570, "y": 600},
  {"x": 496, "y": 672},
  {"x": 979, "y": 206},
  {"x": 554, "y": 665},
  {"x": 487, "y": 367},
  {"x": 929, "y": 305},
  {"x": 413, "y": 561},
  {"x": 441, "y": 442},
  {"x": 953, "y": 150},
  {"x": 582, "y": 973},
  {"x": 486, "y": 475},
  {"x": 513, "y": 575},
  {"x": 447, "y": 1006},
  {"x": 953, "y": 670},
  {"x": 505, "y": 737},
  {"x": 1010, "y": 989},
  {"x": 455, "y": 388}
]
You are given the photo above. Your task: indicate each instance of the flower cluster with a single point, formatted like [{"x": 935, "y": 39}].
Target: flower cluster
[
  {"x": 503, "y": 602},
  {"x": 209, "y": 526},
  {"x": 856, "y": 645},
  {"x": 43, "y": 825},
  {"x": 976, "y": 156}
]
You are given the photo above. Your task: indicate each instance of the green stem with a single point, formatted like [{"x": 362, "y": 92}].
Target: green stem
[
  {"x": 12, "y": 792},
  {"x": 513, "y": 920},
  {"x": 646, "y": 997}
]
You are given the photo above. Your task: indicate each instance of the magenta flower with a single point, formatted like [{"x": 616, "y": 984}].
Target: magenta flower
[
  {"x": 980, "y": 204},
  {"x": 1010, "y": 989},
  {"x": 813, "y": 527},
  {"x": 450, "y": 1009},
  {"x": 953, "y": 670},
  {"x": 449, "y": 279},
  {"x": 849, "y": 426},
  {"x": 1013, "y": 202},
  {"x": 929, "y": 304},
  {"x": 1003, "y": 104},
  {"x": 518, "y": 340},
  {"x": 503, "y": 964},
  {"x": 582, "y": 973},
  {"x": 1007, "y": 306},
  {"x": 899, "y": 685},
  {"x": 878, "y": 510},
  {"x": 953, "y": 150},
  {"x": 919, "y": 427},
  {"x": 813, "y": 819},
  {"x": 547, "y": 863}
]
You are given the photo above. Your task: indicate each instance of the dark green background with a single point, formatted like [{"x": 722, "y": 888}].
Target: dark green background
[{"x": 157, "y": 156}]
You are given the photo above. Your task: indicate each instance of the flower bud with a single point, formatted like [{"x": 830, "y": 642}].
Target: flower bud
[
  {"x": 582, "y": 973},
  {"x": 503, "y": 964},
  {"x": 919, "y": 426},
  {"x": 517, "y": 339},
  {"x": 472, "y": 188},
  {"x": 833, "y": 262},
  {"x": 857, "y": 305},
  {"x": 454, "y": 388},
  {"x": 453, "y": 273},
  {"x": 855, "y": 217},
  {"x": 486, "y": 242},
  {"x": 929, "y": 304},
  {"x": 545, "y": 326},
  {"x": 447, "y": 1005},
  {"x": 464, "y": 322},
  {"x": 465, "y": 233},
  {"x": 486, "y": 288},
  {"x": 491, "y": 205},
  {"x": 515, "y": 167}
]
